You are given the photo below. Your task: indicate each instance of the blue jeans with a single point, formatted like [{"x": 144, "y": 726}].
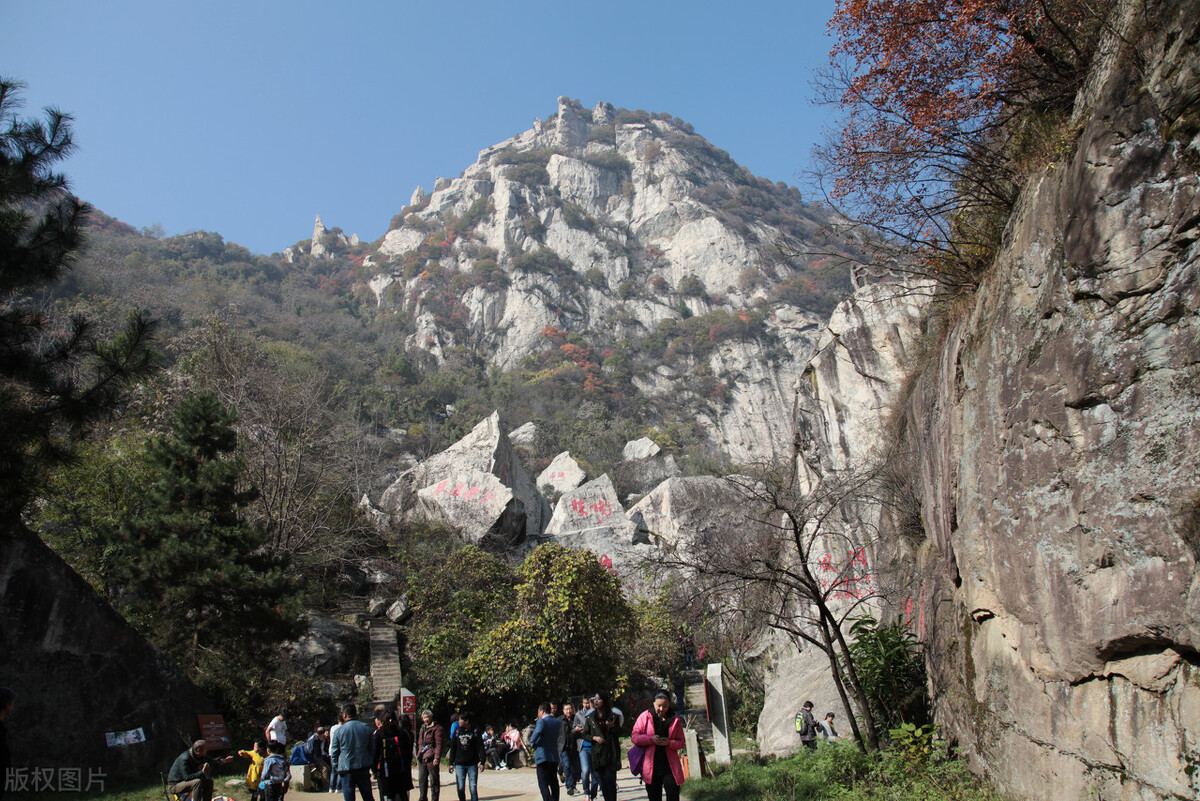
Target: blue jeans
[
  {"x": 464, "y": 774},
  {"x": 591, "y": 784},
  {"x": 360, "y": 778},
  {"x": 570, "y": 767}
]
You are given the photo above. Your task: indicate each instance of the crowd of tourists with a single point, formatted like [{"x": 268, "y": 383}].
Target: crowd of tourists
[{"x": 576, "y": 748}]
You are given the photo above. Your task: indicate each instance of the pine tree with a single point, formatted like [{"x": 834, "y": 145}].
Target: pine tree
[
  {"x": 55, "y": 375},
  {"x": 198, "y": 578}
]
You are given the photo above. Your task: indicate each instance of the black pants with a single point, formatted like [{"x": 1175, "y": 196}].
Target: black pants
[
  {"x": 547, "y": 773},
  {"x": 654, "y": 790}
]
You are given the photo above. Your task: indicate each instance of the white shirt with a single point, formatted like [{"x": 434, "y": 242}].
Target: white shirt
[{"x": 277, "y": 730}]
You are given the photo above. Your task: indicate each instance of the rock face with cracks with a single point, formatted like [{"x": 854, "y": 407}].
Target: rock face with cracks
[
  {"x": 1058, "y": 428},
  {"x": 1053, "y": 422}
]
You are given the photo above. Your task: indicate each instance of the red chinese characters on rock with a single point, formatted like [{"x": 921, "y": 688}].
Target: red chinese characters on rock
[
  {"x": 465, "y": 492},
  {"x": 851, "y": 582},
  {"x": 606, "y": 562},
  {"x": 600, "y": 508}
]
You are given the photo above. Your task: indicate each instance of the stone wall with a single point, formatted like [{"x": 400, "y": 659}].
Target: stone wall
[
  {"x": 1058, "y": 428},
  {"x": 80, "y": 671}
]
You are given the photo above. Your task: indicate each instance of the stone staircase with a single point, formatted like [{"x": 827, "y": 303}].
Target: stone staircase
[
  {"x": 386, "y": 678},
  {"x": 693, "y": 698}
]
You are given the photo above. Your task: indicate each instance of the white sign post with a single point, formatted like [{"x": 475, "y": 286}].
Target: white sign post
[{"x": 716, "y": 713}]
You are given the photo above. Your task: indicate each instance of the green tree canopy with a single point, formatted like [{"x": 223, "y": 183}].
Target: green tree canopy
[
  {"x": 55, "y": 375},
  {"x": 197, "y": 577},
  {"x": 454, "y": 604},
  {"x": 570, "y": 630}
]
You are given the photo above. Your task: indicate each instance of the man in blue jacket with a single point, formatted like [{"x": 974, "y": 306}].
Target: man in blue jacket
[
  {"x": 352, "y": 754},
  {"x": 545, "y": 751}
]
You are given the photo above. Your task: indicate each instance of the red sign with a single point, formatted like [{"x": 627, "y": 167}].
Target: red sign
[{"x": 213, "y": 732}]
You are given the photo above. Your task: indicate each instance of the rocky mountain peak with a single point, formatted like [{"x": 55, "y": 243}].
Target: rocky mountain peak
[{"x": 601, "y": 230}]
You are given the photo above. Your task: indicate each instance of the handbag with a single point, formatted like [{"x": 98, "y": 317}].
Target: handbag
[{"x": 636, "y": 754}]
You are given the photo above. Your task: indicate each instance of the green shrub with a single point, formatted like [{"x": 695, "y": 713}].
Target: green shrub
[
  {"x": 692, "y": 287},
  {"x": 534, "y": 227},
  {"x": 529, "y": 173},
  {"x": 609, "y": 160},
  {"x": 604, "y": 134},
  {"x": 841, "y": 771},
  {"x": 511, "y": 156},
  {"x": 890, "y": 664},
  {"x": 627, "y": 117},
  {"x": 482, "y": 207},
  {"x": 575, "y": 217}
]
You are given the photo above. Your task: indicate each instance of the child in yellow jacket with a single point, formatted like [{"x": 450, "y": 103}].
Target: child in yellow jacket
[{"x": 254, "y": 773}]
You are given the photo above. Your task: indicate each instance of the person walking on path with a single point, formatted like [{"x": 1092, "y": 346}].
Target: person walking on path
[
  {"x": 806, "y": 726},
  {"x": 352, "y": 754},
  {"x": 431, "y": 744},
  {"x": 546, "y": 749},
  {"x": 601, "y": 730},
  {"x": 660, "y": 732},
  {"x": 392, "y": 758},
  {"x": 587, "y": 779},
  {"x": 568, "y": 753},
  {"x": 466, "y": 755}
]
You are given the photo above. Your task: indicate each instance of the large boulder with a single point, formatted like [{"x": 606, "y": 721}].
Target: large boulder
[
  {"x": 330, "y": 647},
  {"x": 681, "y": 514},
  {"x": 65, "y": 648},
  {"x": 478, "y": 485},
  {"x": 563, "y": 474},
  {"x": 591, "y": 516},
  {"x": 642, "y": 475},
  {"x": 642, "y": 448},
  {"x": 524, "y": 436}
]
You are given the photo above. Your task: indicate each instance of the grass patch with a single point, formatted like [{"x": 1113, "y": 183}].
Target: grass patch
[
  {"x": 136, "y": 789},
  {"x": 842, "y": 773}
]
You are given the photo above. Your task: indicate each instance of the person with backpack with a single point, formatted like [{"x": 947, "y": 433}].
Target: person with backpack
[
  {"x": 466, "y": 755},
  {"x": 276, "y": 774},
  {"x": 393, "y": 758},
  {"x": 352, "y": 753},
  {"x": 806, "y": 726},
  {"x": 660, "y": 732}
]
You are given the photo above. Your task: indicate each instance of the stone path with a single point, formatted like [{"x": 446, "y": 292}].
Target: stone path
[
  {"x": 500, "y": 785},
  {"x": 385, "y": 662}
]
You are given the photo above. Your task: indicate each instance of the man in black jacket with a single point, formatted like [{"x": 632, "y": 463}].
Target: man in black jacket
[
  {"x": 806, "y": 726},
  {"x": 466, "y": 755},
  {"x": 192, "y": 772}
]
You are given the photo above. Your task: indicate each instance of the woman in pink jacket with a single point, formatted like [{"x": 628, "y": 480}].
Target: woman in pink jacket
[{"x": 660, "y": 732}]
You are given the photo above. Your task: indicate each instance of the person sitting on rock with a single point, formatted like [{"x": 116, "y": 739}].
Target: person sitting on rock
[{"x": 192, "y": 772}]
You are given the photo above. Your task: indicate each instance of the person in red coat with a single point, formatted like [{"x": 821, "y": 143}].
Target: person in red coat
[{"x": 660, "y": 732}]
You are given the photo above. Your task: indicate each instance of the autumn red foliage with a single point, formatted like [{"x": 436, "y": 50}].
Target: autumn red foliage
[{"x": 945, "y": 101}]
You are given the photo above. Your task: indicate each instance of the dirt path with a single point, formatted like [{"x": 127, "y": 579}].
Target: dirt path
[{"x": 499, "y": 785}]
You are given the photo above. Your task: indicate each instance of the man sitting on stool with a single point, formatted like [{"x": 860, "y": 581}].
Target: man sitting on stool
[{"x": 192, "y": 772}]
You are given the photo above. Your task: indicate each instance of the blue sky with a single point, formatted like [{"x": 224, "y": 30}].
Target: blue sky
[{"x": 249, "y": 118}]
